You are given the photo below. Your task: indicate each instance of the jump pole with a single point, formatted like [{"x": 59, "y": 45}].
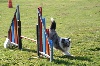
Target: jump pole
[{"x": 43, "y": 49}]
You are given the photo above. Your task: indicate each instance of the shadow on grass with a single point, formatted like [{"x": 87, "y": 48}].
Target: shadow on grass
[
  {"x": 83, "y": 58},
  {"x": 57, "y": 61},
  {"x": 95, "y": 49},
  {"x": 29, "y": 50}
]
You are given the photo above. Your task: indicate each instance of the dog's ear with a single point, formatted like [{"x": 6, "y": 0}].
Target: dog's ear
[
  {"x": 68, "y": 39},
  {"x": 63, "y": 40}
]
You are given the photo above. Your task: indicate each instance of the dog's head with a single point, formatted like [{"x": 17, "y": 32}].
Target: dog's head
[{"x": 66, "y": 42}]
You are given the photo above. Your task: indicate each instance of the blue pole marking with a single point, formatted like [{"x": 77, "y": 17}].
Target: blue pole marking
[
  {"x": 12, "y": 29},
  {"x": 51, "y": 43},
  {"x": 44, "y": 36},
  {"x": 51, "y": 50}
]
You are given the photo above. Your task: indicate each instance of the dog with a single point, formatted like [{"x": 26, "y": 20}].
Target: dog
[{"x": 62, "y": 44}]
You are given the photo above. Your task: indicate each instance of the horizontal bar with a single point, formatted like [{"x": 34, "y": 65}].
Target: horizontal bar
[
  {"x": 14, "y": 44},
  {"x": 44, "y": 54},
  {"x": 28, "y": 38}
]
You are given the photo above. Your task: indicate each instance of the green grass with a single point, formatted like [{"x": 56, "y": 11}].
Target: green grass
[{"x": 77, "y": 19}]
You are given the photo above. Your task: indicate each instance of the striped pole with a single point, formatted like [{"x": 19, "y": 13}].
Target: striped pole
[
  {"x": 37, "y": 41},
  {"x": 19, "y": 35},
  {"x": 45, "y": 46},
  {"x": 44, "y": 35},
  {"x": 15, "y": 29},
  {"x": 51, "y": 50},
  {"x": 47, "y": 43},
  {"x": 40, "y": 28}
]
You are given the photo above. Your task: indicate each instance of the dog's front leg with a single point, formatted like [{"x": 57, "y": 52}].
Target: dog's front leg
[{"x": 67, "y": 53}]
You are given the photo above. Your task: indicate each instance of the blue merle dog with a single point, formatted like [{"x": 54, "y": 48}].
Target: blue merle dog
[{"x": 59, "y": 43}]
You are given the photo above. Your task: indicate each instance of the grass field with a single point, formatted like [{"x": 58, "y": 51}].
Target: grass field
[{"x": 77, "y": 19}]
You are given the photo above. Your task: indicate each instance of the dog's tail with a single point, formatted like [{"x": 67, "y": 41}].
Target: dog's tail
[
  {"x": 53, "y": 24},
  {"x": 52, "y": 20}
]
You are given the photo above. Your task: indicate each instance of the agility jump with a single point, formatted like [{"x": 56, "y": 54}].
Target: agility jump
[
  {"x": 14, "y": 32},
  {"x": 44, "y": 45}
]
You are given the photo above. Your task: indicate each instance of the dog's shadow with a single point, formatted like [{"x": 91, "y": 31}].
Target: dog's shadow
[
  {"x": 58, "y": 61},
  {"x": 81, "y": 58},
  {"x": 95, "y": 49}
]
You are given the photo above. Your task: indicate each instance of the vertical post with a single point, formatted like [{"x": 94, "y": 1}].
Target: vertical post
[
  {"x": 10, "y": 34},
  {"x": 44, "y": 35},
  {"x": 15, "y": 29},
  {"x": 38, "y": 34},
  {"x": 19, "y": 35},
  {"x": 37, "y": 40},
  {"x": 12, "y": 29},
  {"x": 51, "y": 50},
  {"x": 47, "y": 42},
  {"x": 18, "y": 13},
  {"x": 19, "y": 29},
  {"x": 40, "y": 27}
]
